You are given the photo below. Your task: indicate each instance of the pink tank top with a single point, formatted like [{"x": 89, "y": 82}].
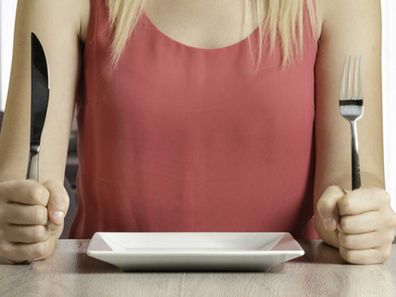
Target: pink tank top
[{"x": 179, "y": 138}]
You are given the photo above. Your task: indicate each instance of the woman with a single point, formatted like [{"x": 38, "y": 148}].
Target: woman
[{"x": 192, "y": 118}]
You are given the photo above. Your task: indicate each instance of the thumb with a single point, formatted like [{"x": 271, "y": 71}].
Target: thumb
[
  {"x": 58, "y": 202},
  {"x": 327, "y": 206}
]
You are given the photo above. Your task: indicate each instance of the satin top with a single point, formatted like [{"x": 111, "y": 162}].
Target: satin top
[{"x": 179, "y": 138}]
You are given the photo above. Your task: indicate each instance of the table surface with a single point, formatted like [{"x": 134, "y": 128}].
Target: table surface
[{"x": 320, "y": 272}]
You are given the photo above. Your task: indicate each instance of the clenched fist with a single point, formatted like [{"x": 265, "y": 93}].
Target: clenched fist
[
  {"x": 363, "y": 221},
  {"x": 31, "y": 218}
]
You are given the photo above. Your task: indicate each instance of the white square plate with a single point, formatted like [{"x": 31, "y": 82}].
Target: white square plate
[{"x": 181, "y": 251}]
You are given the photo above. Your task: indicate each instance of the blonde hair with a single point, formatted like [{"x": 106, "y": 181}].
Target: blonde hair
[{"x": 283, "y": 21}]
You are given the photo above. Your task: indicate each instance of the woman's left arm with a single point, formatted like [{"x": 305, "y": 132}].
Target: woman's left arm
[{"x": 361, "y": 223}]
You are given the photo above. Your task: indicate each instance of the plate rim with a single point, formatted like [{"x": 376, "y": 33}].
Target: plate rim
[{"x": 300, "y": 251}]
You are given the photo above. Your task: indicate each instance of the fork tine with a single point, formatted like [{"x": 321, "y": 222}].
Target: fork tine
[
  {"x": 355, "y": 89},
  {"x": 356, "y": 79},
  {"x": 344, "y": 79},
  {"x": 360, "y": 88},
  {"x": 349, "y": 91}
]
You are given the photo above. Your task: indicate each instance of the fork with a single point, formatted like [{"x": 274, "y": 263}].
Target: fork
[{"x": 351, "y": 108}]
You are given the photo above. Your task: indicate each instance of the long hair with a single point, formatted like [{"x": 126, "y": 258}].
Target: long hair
[{"x": 283, "y": 21}]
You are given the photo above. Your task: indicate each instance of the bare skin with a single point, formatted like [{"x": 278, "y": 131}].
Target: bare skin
[{"x": 206, "y": 24}]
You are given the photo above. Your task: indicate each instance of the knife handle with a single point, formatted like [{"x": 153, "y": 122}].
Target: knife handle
[{"x": 33, "y": 165}]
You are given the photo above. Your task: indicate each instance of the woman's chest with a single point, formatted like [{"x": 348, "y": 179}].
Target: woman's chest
[{"x": 203, "y": 24}]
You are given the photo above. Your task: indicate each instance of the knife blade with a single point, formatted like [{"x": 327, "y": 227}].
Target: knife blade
[{"x": 39, "y": 103}]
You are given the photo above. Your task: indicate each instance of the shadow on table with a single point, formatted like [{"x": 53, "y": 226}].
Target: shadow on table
[
  {"x": 317, "y": 251},
  {"x": 87, "y": 264}
]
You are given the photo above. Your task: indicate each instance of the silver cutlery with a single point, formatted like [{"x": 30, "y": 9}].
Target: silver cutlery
[
  {"x": 351, "y": 108},
  {"x": 39, "y": 103}
]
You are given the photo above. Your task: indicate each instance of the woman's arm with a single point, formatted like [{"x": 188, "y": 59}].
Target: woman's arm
[
  {"x": 58, "y": 24},
  {"x": 31, "y": 213},
  {"x": 349, "y": 28}
]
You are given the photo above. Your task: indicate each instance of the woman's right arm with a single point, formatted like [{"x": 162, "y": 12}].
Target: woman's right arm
[{"x": 25, "y": 205}]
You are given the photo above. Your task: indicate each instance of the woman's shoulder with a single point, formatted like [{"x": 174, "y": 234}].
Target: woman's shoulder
[{"x": 334, "y": 15}]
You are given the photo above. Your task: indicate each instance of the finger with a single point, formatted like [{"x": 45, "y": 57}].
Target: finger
[
  {"x": 360, "y": 241},
  {"x": 18, "y": 252},
  {"x": 58, "y": 202},
  {"x": 24, "y": 191},
  {"x": 367, "y": 256},
  {"x": 21, "y": 214},
  {"x": 327, "y": 204},
  {"x": 362, "y": 223},
  {"x": 362, "y": 200},
  {"x": 25, "y": 234}
]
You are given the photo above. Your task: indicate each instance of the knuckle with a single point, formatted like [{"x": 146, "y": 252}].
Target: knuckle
[
  {"x": 332, "y": 188},
  {"x": 52, "y": 183},
  {"x": 345, "y": 205},
  {"x": 335, "y": 190},
  {"x": 36, "y": 193},
  {"x": 345, "y": 224},
  {"x": 38, "y": 233},
  {"x": 348, "y": 256},
  {"x": 5, "y": 248},
  {"x": 40, "y": 214},
  {"x": 39, "y": 250},
  {"x": 325, "y": 205}
]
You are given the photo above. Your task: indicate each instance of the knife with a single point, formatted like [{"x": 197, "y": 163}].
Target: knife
[{"x": 39, "y": 103}]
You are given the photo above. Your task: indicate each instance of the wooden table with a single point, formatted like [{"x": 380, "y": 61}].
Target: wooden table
[{"x": 320, "y": 272}]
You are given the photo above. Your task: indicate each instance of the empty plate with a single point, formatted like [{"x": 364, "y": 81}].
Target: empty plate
[{"x": 181, "y": 251}]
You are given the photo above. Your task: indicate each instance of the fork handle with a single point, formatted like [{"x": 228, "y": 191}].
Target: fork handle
[{"x": 355, "y": 158}]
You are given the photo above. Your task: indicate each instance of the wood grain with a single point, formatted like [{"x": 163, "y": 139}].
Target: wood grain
[{"x": 320, "y": 272}]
